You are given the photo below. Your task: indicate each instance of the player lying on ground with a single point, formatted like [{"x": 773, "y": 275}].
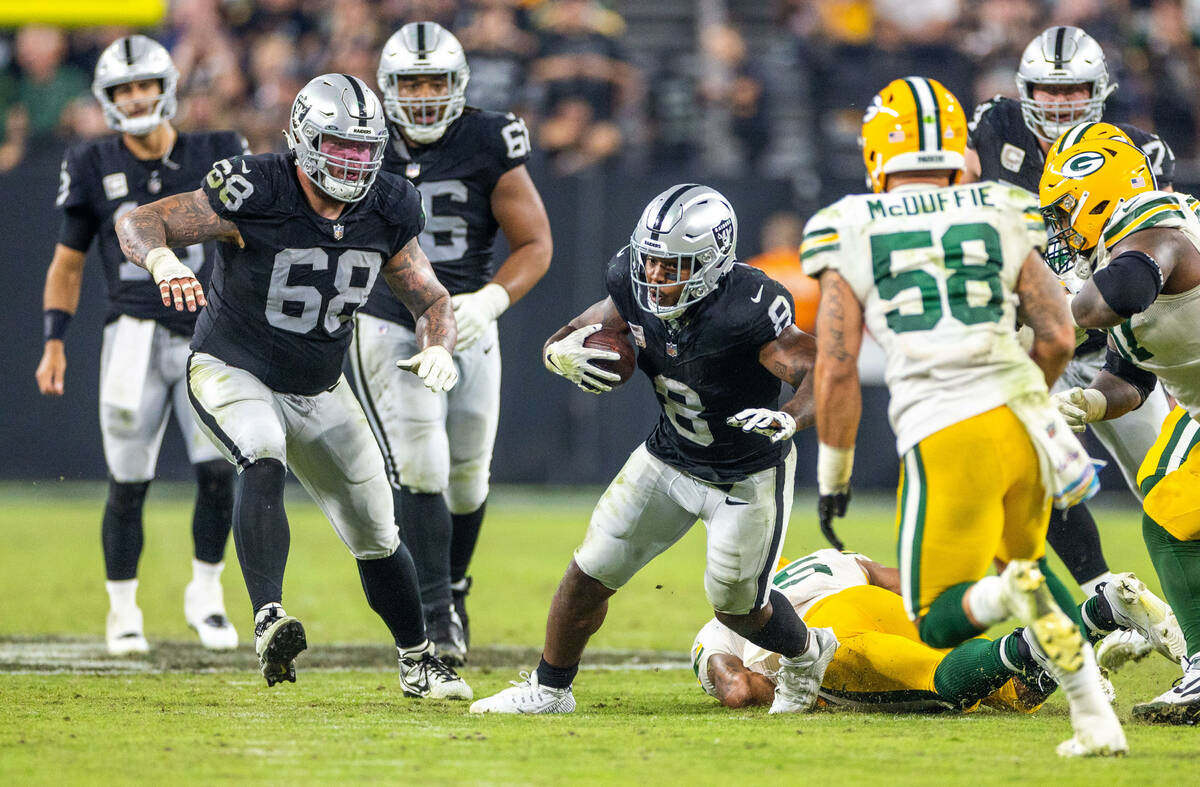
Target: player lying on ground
[{"x": 881, "y": 663}]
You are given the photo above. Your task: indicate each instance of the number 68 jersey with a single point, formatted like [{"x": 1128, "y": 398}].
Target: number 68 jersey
[
  {"x": 280, "y": 307},
  {"x": 935, "y": 271}
]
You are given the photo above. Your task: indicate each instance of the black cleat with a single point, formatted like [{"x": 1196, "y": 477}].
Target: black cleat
[
  {"x": 458, "y": 594},
  {"x": 278, "y": 639},
  {"x": 445, "y": 631}
]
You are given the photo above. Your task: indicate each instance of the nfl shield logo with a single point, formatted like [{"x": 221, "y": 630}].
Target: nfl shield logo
[
  {"x": 723, "y": 234},
  {"x": 338, "y": 231},
  {"x": 412, "y": 170},
  {"x": 672, "y": 349}
]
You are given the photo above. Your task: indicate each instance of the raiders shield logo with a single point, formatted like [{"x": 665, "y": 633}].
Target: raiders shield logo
[{"x": 723, "y": 235}]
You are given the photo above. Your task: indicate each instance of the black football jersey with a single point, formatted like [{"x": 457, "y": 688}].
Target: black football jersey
[
  {"x": 101, "y": 181},
  {"x": 705, "y": 368},
  {"x": 1010, "y": 152},
  {"x": 281, "y": 306},
  {"x": 456, "y": 176}
]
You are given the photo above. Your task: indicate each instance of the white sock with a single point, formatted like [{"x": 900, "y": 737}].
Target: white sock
[
  {"x": 207, "y": 573},
  {"x": 985, "y": 603},
  {"x": 122, "y": 593},
  {"x": 415, "y": 652},
  {"x": 1089, "y": 586},
  {"x": 1082, "y": 687}
]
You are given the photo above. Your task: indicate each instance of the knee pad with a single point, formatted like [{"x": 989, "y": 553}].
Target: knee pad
[
  {"x": 468, "y": 486},
  {"x": 126, "y": 498},
  {"x": 215, "y": 477}
]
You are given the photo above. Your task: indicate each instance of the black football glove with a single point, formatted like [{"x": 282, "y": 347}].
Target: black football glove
[{"x": 828, "y": 507}]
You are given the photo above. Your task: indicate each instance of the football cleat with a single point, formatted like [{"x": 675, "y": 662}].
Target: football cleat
[
  {"x": 527, "y": 696},
  {"x": 798, "y": 680},
  {"x": 1179, "y": 705},
  {"x": 423, "y": 674},
  {"x": 123, "y": 632},
  {"x": 458, "y": 594},
  {"x": 1135, "y": 607},
  {"x": 1027, "y": 598},
  {"x": 1121, "y": 647},
  {"x": 278, "y": 639},
  {"x": 204, "y": 610},
  {"x": 445, "y": 631}
]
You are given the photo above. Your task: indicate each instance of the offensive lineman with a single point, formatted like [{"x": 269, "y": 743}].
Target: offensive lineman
[
  {"x": 304, "y": 236},
  {"x": 469, "y": 165},
  {"x": 145, "y": 346},
  {"x": 1063, "y": 80},
  {"x": 1138, "y": 250},
  {"x": 940, "y": 273},
  {"x": 715, "y": 337}
]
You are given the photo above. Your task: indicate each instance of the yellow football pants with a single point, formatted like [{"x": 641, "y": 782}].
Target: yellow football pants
[
  {"x": 1170, "y": 477},
  {"x": 968, "y": 494}
]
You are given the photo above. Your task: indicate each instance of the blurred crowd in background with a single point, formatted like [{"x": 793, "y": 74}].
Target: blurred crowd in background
[{"x": 716, "y": 88}]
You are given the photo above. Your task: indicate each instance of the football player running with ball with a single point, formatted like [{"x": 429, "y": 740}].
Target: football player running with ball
[
  {"x": 304, "y": 236},
  {"x": 1138, "y": 251},
  {"x": 469, "y": 165},
  {"x": 941, "y": 273},
  {"x": 145, "y": 346},
  {"x": 1063, "y": 82},
  {"x": 715, "y": 337}
]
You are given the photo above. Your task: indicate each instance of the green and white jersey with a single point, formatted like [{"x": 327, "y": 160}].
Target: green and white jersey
[
  {"x": 935, "y": 271},
  {"x": 1165, "y": 338}
]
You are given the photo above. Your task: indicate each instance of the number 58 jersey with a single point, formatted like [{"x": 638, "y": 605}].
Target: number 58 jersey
[
  {"x": 280, "y": 307},
  {"x": 935, "y": 271}
]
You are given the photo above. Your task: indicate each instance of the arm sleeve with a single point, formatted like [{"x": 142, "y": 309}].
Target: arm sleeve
[
  {"x": 78, "y": 227},
  {"x": 1136, "y": 376}
]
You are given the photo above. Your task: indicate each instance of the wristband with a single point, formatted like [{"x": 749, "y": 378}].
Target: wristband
[
  {"x": 834, "y": 466},
  {"x": 54, "y": 323}
]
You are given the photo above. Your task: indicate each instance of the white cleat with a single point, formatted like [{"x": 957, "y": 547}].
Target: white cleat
[
  {"x": 1135, "y": 607},
  {"x": 423, "y": 674},
  {"x": 1027, "y": 598},
  {"x": 526, "y": 696},
  {"x": 798, "y": 680},
  {"x": 124, "y": 633},
  {"x": 204, "y": 611},
  {"x": 1179, "y": 705},
  {"x": 1121, "y": 647}
]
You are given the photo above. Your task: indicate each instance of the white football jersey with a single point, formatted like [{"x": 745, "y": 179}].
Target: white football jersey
[
  {"x": 935, "y": 271},
  {"x": 804, "y": 582},
  {"x": 1164, "y": 338}
]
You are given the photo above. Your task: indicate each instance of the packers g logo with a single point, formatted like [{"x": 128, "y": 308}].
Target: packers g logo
[{"x": 1083, "y": 164}]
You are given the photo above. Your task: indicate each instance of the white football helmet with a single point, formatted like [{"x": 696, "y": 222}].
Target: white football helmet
[
  {"x": 130, "y": 59},
  {"x": 697, "y": 227},
  {"x": 423, "y": 48},
  {"x": 1062, "y": 56},
  {"x": 340, "y": 106}
]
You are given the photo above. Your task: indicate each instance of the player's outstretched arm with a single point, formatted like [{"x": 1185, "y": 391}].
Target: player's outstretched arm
[
  {"x": 736, "y": 686},
  {"x": 60, "y": 300},
  {"x": 149, "y": 232},
  {"x": 411, "y": 277},
  {"x": 1042, "y": 305}
]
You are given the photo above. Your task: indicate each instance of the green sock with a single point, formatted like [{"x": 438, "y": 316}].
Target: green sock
[
  {"x": 946, "y": 624},
  {"x": 1096, "y": 610},
  {"x": 1178, "y": 566},
  {"x": 1062, "y": 595},
  {"x": 970, "y": 672}
]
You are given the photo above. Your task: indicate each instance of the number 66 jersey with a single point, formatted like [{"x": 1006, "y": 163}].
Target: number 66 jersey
[
  {"x": 935, "y": 270},
  {"x": 280, "y": 306}
]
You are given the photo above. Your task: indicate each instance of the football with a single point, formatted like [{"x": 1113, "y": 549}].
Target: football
[{"x": 618, "y": 342}]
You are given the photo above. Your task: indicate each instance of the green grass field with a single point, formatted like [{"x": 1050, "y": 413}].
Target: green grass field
[{"x": 71, "y": 714}]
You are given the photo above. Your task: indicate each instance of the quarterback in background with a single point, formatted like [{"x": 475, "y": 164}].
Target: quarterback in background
[
  {"x": 1138, "y": 251},
  {"x": 469, "y": 165},
  {"x": 145, "y": 347},
  {"x": 941, "y": 273},
  {"x": 715, "y": 337}
]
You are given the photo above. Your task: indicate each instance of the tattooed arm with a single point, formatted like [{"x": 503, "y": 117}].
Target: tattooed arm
[
  {"x": 1043, "y": 307},
  {"x": 411, "y": 277},
  {"x": 791, "y": 357},
  {"x": 839, "y": 338},
  {"x": 149, "y": 232}
]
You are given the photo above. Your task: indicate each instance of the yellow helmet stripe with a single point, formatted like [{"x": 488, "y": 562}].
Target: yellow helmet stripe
[{"x": 929, "y": 119}]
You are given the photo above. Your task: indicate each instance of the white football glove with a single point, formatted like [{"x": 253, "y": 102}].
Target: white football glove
[
  {"x": 435, "y": 366},
  {"x": 775, "y": 424},
  {"x": 476, "y": 311},
  {"x": 176, "y": 282},
  {"x": 1080, "y": 406},
  {"x": 568, "y": 358}
]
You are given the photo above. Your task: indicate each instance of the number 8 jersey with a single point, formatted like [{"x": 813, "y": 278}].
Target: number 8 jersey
[
  {"x": 935, "y": 270},
  {"x": 280, "y": 306}
]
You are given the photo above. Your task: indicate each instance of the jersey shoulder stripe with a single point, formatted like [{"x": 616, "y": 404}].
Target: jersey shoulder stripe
[{"x": 1141, "y": 215}]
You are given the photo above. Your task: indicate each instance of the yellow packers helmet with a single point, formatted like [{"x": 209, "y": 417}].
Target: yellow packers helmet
[
  {"x": 1082, "y": 186},
  {"x": 913, "y": 124},
  {"x": 1085, "y": 132}
]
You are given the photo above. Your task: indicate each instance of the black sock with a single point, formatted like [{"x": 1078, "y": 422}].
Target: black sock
[
  {"x": 424, "y": 523},
  {"x": 1075, "y": 539},
  {"x": 391, "y": 587},
  {"x": 784, "y": 632},
  {"x": 464, "y": 534},
  {"x": 260, "y": 530},
  {"x": 553, "y": 677},
  {"x": 121, "y": 529},
  {"x": 212, "y": 517}
]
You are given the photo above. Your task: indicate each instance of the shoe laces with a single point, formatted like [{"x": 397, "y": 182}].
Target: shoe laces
[{"x": 431, "y": 664}]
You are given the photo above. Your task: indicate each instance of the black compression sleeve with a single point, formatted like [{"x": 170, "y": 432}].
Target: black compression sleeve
[
  {"x": 1130, "y": 283},
  {"x": 1136, "y": 376},
  {"x": 79, "y": 226}
]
